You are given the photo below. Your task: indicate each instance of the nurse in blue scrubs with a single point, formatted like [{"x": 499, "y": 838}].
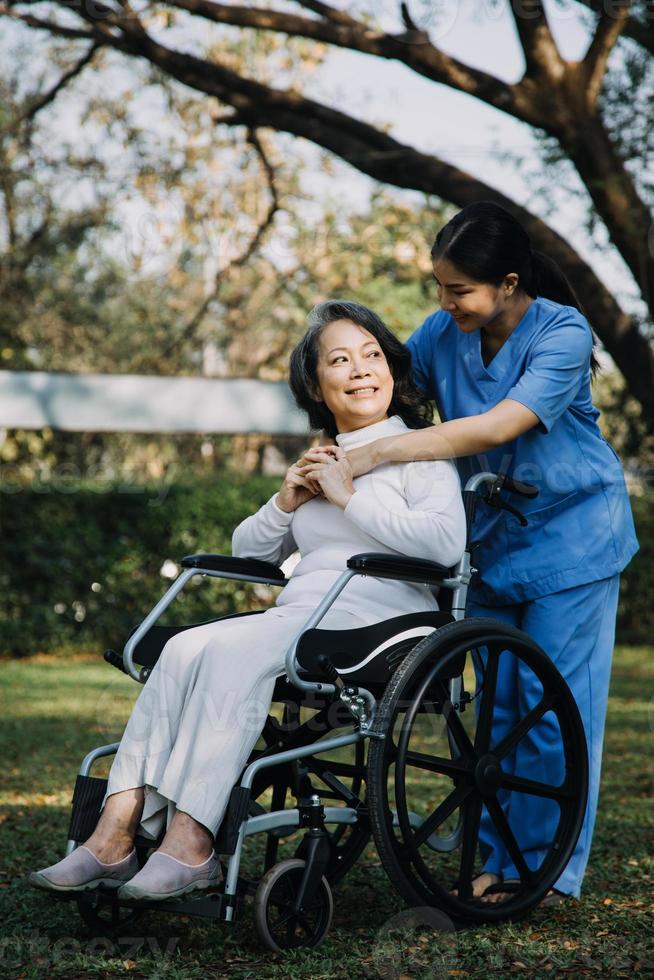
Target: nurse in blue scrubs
[{"x": 508, "y": 360}]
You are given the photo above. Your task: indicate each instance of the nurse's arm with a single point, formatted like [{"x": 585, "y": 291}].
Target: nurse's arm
[{"x": 460, "y": 437}]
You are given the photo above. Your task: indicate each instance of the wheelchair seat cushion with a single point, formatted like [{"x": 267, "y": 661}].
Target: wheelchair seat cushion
[{"x": 370, "y": 654}]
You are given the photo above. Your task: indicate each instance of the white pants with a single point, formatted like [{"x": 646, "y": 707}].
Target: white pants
[{"x": 201, "y": 712}]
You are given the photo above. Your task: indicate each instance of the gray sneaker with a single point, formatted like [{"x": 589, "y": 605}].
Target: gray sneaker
[
  {"x": 164, "y": 876},
  {"x": 81, "y": 871}
]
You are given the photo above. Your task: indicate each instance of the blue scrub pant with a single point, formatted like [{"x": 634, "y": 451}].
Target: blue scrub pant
[{"x": 576, "y": 628}]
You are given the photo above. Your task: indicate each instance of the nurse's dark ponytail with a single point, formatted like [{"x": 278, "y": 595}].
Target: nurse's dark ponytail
[{"x": 486, "y": 242}]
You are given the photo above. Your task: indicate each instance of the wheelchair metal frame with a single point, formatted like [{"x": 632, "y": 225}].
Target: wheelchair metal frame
[{"x": 362, "y": 704}]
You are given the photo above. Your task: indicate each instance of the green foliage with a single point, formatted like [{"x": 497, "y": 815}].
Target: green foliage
[
  {"x": 84, "y": 568},
  {"x": 636, "y": 611},
  {"x": 622, "y": 423},
  {"x": 81, "y": 569}
]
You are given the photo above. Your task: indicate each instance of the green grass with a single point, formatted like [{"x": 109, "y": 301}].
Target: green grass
[{"x": 56, "y": 709}]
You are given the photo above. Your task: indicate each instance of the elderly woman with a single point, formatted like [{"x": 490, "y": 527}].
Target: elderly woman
[{"x": 197, "y": 720}]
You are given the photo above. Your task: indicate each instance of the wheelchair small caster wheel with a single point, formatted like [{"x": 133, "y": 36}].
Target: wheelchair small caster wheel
[{"x": 278, "y": 924}]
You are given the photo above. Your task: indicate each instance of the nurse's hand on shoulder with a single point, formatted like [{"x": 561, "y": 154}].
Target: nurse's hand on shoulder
[
  {"x": 329, "y": 468},
  {"x": 296, "y": 489},
  {"x": 363, "y": 459}
]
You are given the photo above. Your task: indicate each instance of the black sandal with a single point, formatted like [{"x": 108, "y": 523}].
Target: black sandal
[
  {"x": 507, "y": 886},
  {"x": 553, "y": 899}
]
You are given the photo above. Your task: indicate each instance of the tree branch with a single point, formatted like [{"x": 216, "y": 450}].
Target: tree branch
[
  {"x": 189, "y": 329},
  {"x": 346, "y": 32},
  {"x": 343, "y": 34},
  {"x": 609, "y": 28},
  {"x": 640, "y": 31},
  {"x": 539, "y": 47},
  {"x": 327, "y": 12},
  {"x": 57, "y": 30},
  {"x": 43, "y": 100}
]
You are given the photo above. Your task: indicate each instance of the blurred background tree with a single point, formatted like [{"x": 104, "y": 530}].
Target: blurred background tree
[
  {"x": 178, "y": 272},
  {"x": 257, "y": 62}
]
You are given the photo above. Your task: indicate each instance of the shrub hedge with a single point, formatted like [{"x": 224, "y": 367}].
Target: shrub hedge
[{"x": 81, "y": 569}]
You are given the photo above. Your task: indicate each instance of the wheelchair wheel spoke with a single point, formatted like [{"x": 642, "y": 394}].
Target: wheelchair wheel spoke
[
  {"x": 532, "y": 787},
  {"x": 503, "y": 828},
  {"x": 441, "y": 813},
  {"x": 455, "y": 725},
  {"x": 283, "y": 918},
  {"x": 510, "y": 741},
  {"x": 437, "y": 763},
  {"x": 485, "y": 719},
  {"x": 471, "y": 820},
  {"x": 304, "y": 923}
]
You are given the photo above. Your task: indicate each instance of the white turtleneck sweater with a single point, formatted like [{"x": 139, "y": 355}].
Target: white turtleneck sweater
[{"x": 409, "y": 509}]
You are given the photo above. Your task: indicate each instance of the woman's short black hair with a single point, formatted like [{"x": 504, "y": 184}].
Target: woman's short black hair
[{"x": 407, "y": 402}]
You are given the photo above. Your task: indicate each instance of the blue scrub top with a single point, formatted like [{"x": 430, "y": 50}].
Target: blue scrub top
[{"x": 580, "y": 526}]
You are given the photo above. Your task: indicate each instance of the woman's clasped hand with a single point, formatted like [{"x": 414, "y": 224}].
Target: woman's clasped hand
[
  {"x": 296, "y": 488},
  {"x": 323, "y": 471},
  {"x": 328, "y": 469}
]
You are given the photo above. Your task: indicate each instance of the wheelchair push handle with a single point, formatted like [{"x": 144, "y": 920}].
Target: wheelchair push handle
[
  {"x": 495, "y": 482},
  {"x": 517, "y": 486},
  {"x": 505, "y": 482}
]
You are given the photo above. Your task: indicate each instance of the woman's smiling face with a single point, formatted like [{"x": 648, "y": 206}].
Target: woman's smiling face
[
  {"x": 355, "y": 381},
  {"x": 471, "y": 304}
]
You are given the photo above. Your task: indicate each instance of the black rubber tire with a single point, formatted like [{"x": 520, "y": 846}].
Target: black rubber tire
[
  {"x": 302, "y": 930},
  {"x": 401, "y": 858}
]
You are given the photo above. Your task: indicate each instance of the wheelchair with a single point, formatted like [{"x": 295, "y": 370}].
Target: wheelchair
[{"x": 420, "y": 692}]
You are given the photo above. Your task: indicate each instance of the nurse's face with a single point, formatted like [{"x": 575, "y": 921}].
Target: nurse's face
[
  {"x": 355, "y": 381},
  {"x": 472, "y": 304}
]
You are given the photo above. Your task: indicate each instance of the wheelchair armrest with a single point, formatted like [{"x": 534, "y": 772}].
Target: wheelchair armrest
[
  {"x": 239, "y": 566},
  {"x": 405, "y": 569}
]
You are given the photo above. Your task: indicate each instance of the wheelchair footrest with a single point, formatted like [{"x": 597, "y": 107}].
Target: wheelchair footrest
[{"x": 210, "y": 906}]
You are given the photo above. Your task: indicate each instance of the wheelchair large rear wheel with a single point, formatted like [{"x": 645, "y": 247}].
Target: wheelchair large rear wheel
[{"x": 495, "y": 780}]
